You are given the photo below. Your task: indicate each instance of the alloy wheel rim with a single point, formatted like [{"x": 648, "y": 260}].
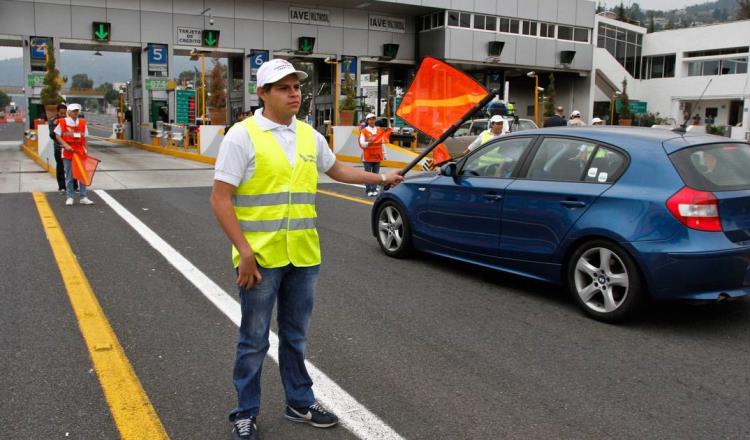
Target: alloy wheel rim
[
  {"x": 390, "y": 228},
  {"x": 601, "y": 280}
]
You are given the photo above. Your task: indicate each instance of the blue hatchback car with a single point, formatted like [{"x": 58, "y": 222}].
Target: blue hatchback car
[{"x": 616, "y": 214}]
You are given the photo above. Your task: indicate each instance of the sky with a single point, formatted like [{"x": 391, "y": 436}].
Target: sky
[{"x": 13, "y": 52}]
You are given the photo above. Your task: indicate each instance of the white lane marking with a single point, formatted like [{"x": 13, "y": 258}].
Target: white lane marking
[{"x": 352, "y": 414}]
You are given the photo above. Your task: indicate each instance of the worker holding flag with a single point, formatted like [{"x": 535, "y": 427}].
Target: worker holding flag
[
  {"x": 71, "y": 133},
  {"x": 495, "y": 130},
  {"x": 372, "y": 141}
]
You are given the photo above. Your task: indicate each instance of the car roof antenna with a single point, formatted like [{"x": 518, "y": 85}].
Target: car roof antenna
[{"x": 683, "y": 127}]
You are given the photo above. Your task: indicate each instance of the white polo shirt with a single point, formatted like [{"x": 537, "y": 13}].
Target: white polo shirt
[{"x": 236, "y": 160}]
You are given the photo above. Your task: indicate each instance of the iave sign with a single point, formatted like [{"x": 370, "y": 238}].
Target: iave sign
[
  {"x": 387, "y": 24},
  {"x": 320, "y": 17}
]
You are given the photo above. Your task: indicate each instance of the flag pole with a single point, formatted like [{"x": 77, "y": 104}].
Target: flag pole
[{"x": 450, "y": 131}]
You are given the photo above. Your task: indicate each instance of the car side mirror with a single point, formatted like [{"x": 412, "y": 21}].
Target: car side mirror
[{"x": 449, "y": 169}]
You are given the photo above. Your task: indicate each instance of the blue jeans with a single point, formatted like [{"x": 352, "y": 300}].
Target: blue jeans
[
  {"x": 294, "y": 289},
  {"x": 69, "y": 180},
  {"x": 373, "y": 167}
]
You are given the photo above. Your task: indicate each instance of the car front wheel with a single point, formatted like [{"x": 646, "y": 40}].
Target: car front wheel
[
  {"x": 605, "y": 282},
  {"x": 394, "y": 235}
]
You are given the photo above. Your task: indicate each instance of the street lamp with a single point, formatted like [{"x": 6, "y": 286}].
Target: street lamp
[
  {"x": 612, "y": 107},
  {"x": 194, "y": 55},
  {"x": 533, "y": 74}
]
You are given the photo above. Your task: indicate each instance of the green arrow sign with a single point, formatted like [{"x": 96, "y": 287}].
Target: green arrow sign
[
  {"x": 102, "y": 31},
  {"x": 306, "y": 44},
  {"x": 210, "y": 38}
]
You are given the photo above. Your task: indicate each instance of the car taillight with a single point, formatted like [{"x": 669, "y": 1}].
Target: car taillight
[{"x": 695, "y": 209}]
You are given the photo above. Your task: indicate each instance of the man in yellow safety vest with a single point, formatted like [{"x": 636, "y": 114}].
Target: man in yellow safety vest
[
  {"x": 264, "y": 199},
  {"x": 495, "y": 130}
]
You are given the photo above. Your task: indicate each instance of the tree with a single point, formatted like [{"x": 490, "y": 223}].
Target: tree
[
  {"x": 52, "y": 82},
  {"x": 551, "y": 94},
  {"x": 217, "y": 86},
  {"x": 348, "y": 89},
  {"x": 743, "y": 9},
  {"x": 599, "y": 8},
  {"x": 651, "y": 23},
  {"x": 669, "y": 25},
  {"x": 81, "y": 81},
  {"x": 307, "y": 88},
  {"x": 185, "y": 76},
  {"x": 111, "y": 95},
  {"x": 621, "y": 12},
  {"x": 4, "y": 100},
  {"x": 625, "y": 101}
]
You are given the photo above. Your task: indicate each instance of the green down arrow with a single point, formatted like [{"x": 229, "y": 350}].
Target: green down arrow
[
  {"x": 210, "y": 40},
  {"x": 101, "y": 33},
  {"x": 306, "y": 46}
]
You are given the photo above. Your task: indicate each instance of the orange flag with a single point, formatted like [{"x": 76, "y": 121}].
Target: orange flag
[
  {"x": 439, "y": 96},
  {"x": 84, "y": 167},
  {"x": 382, "y": 137}
]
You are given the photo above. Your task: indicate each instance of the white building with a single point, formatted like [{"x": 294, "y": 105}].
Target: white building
[{"x": 669, "y": 70}]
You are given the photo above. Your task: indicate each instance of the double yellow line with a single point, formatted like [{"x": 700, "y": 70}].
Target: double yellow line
[{"x": 131, "y": 408}]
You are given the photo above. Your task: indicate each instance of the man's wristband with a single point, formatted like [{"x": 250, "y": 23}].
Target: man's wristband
[{"x": 382, "y": 178}]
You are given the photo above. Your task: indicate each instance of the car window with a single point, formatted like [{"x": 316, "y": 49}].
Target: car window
[
  {"x": 497, "y": 159},
  {"x": 525, "y": 124},
  {"x": 560, "y": 159},
  {"x": 606, "y": 166},
  {"x": 715, "y": 167},
  {"x": 463, "y": 130},
  {"x": 478, "y": 127}
]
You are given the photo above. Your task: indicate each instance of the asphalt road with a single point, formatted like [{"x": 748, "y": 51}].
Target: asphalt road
[{"x": 436, "y": 349}]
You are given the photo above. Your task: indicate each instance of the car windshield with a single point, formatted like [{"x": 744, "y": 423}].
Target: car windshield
[
  {"x": 463, "y": 130},
  {"x": 714, "y": 167},
  {"x": 525, "y": 124}
]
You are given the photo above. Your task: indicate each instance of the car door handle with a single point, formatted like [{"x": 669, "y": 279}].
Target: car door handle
[
  {"x": 572, "y": 203},
  {"x": 493, "y": 197}
]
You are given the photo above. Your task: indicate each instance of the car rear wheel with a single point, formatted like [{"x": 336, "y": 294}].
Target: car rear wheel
[
  {"x": 394, "y": 235},
  {"x": 605, "y": 281}
]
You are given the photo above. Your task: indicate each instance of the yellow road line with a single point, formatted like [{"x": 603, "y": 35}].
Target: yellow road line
[
  {"x": 131, "y": 409},
  {"x": 341, "y": 196}
]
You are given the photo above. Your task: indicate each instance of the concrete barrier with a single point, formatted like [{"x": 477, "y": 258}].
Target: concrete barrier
[{"x": 211, "y": 137}]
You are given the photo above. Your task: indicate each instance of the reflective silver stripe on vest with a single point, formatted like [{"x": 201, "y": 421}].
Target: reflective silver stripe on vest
[
  {"x": 277, "y": 225},
  {"x": 243, "y": 200}
]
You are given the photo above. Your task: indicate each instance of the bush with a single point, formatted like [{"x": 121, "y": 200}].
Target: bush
[{"x": 649, "y": 119}]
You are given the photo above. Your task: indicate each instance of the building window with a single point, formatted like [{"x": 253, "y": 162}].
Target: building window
[
  {"x": 529, "y": 27},
  {"x": 624, "y": 45},
  {"x": 459, "y": 19},
  {"x": 714, "y": 52},
  {"x": 565, "y": 32},
  {"x": 432, "y": 21},
  {"x": 546, "y": 30},
  {"x": 729, "y": 66},
  {"x": 658, "y": 66},
  {"x": 485, "y": 22},
  {"x": 581, "y": 35},
  {"x": 509, "y": 25}
]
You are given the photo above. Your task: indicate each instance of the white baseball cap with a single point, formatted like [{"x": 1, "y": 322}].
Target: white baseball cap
[
  {"x": 596, "y": 121},
  {"x": 74, "y": 106},
  {"x": 575, "y": 114},
  {"x": 496, "y": 118},
  {"x": 370, "y": 115},
  {"x": 276, "y": 69}
]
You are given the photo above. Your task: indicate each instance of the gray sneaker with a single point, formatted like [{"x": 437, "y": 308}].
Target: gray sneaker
[
  {"x": 244, "y": 429},
  {"x": 314, "y": 415},
  {"x": 86, "y": 201}
]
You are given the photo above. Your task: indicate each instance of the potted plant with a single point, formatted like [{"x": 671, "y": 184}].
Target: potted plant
[
  {"x": 551, "y": 94},
  {"x": 217, "y": 94},
  {"x": 624, "y": 113},
  {"x": 349, "y": 103},
  {"x": 50, "y": 95}
]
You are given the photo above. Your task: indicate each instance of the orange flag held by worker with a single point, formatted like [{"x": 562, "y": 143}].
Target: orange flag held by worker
[
  {"x": 381, "y": 137},
  {"x": 439, "y": 96},
  {"x": 84, "y": 167}
]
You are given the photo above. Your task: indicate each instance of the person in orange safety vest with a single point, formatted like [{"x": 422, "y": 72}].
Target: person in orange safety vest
[
  {"x": 373, "y": 150},
  {"x": 71, "y": 133}
]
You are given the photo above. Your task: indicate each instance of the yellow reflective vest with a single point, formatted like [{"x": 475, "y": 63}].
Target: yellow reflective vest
[{"x": 276, "y": 206}]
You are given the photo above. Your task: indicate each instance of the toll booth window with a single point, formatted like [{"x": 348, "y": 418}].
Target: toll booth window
[
  {"x": 565, "y": 32},
  {"x": 546, "y": 30},
  {"x": 582, "y": 35},
  {"x": 459, "y": 19},
  {"x": 509, "y": 25},
  {"x": 485, "y": 22}
]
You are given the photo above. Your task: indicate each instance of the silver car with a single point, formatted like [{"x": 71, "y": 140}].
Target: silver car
[{"x": 469, "y": 131}]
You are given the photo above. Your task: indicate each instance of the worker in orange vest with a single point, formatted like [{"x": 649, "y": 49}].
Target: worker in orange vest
[
  {"x": 71, "y": 134},
  {"x": 371, "y": 140}
]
